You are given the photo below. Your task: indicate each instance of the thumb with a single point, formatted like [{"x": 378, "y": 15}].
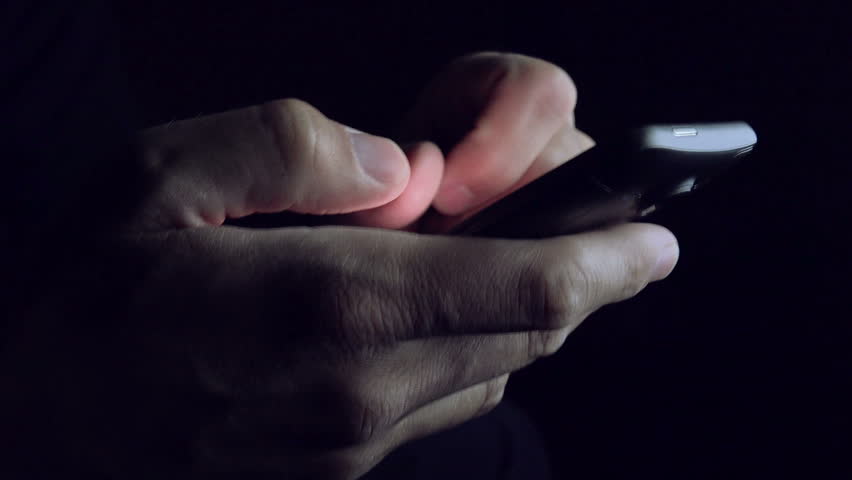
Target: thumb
[{"x": 282, "y": 155}]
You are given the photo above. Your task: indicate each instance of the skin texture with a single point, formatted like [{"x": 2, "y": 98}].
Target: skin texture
[{"x": 314, "y": 352}]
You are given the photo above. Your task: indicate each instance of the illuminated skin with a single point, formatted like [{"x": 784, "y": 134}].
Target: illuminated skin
[
  {"x": 332, "y": 346},
  {"x": 515, "y": 117}
]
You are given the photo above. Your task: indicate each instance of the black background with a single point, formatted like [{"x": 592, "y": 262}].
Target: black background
[{"x": 740, "y": 364}]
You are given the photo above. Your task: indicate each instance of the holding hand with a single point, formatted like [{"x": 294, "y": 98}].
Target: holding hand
[
  {"x": 316, "y": 351},
  {"x": 503, "y": 121}
]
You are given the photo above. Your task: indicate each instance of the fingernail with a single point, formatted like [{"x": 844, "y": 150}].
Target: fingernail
[
  {"x": 453, "y": 199},
  {"x": 666, "y": 260},
  {"x": 376, "y": 156}
]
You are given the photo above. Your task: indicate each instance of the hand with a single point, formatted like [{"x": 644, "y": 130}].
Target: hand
[
  {"x": 310, "y": 352},
  {"x": 504, "y": 119}
]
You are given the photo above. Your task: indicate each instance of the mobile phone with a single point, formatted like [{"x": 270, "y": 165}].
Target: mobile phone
[{"x": 621, "y": 179}]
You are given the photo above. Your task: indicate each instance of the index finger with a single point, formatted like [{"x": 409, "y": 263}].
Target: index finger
[
  {"x": 527, "y": 106},
  {"x": 509, "y": 285},
  {"x": 376, "y": 287},
  {"x": 379, "y": 286}
]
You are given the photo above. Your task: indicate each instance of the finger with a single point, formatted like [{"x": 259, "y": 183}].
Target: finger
[
  {"x": 282, "y": 155},
  {"x": 332, "y": 414},
  {"x": 368, "y": 288},
  {"x": 395, "y": 382},
  {"x": 221, "y": 452},
  {"x": 531, "y": 101},
  {"x": 427, "y": 166},
  {"x": 567, "y": 144},
  {"x": 440, "y": 415},
  {"x": 476, "y": 286},
  {"x": 563, "y": 147},
  {"x": 449, "y": 412},
  {"x": 390, "y": 286},
  {"x": 445, "y": 365}
]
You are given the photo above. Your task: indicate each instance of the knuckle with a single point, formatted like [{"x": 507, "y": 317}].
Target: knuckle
[
  {"x": 289, "y": 107},
  {"x": 493, "y": 395},
  {"x": 292, "y": 125},
  {"x": 557, "y": 94},
  {"x": 558, "y": 292},
  {"x": 288, "y": 118},
  {"x": 360, "y": 417},
  {"x": 553, "y": 91},
  {"x": 292, "y": 122},
  {"x": 544, "y": 343},
  {"x": 365, "y": 424}
]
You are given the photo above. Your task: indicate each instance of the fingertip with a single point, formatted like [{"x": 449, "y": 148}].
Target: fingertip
[
  {"x": 667, "y": 258},
  {"x": 659, "y": 242},
  {"x": 417, "y": 152},
  {"x": 630, "y": 254},
  {"x": 382, "y": 160},
  {"x": 426, "y": 167},
  {"x": 650, "y": 232}
]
